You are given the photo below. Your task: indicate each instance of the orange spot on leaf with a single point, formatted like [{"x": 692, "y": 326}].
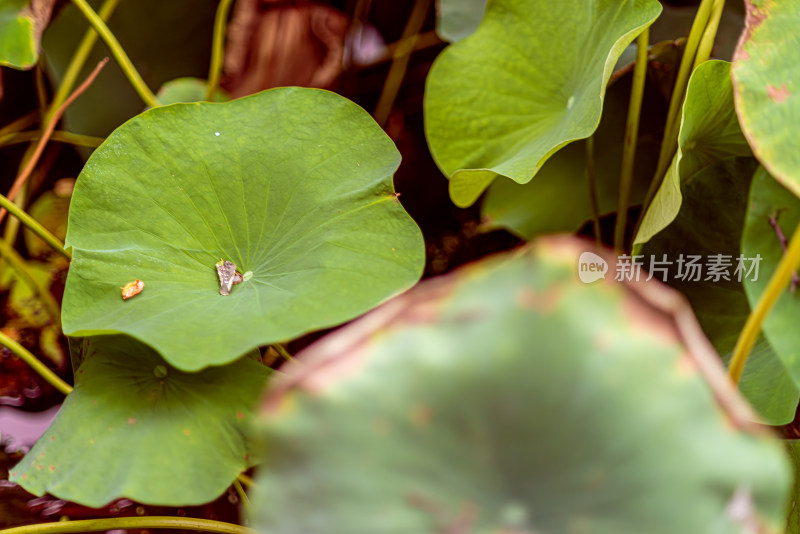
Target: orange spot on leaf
[
  {"x": 187, "y": 432},
  {"x": 421, "y": 415},
  {"x": 52, "y": 468},
  {"x": 131, "y": 420},
  {"x": 685, "y": 366},
  {"x": 240, "y": 415},
  {"x": 778, "y": 94},
  {"x": 546, "y": 302}
]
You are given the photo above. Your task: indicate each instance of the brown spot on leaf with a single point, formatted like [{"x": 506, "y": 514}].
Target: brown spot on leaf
[
  {"x": 187, "y": 432},
  {"x": 755, "y": 15},
  {"x": 53, "y": 468},
  {"x": 545, "y": 302},
  {"x": 421, "y": 415},
  {"x": 240, "y": 415},
  {"x": 685, "y": 366},
  {"x": 778, "y": 94},
  {"x": 131, "y": 420}
]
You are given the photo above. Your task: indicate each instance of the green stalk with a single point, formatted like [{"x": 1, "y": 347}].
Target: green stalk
[
  {"x": 59, "y": 135},
  {"x": 19, "y": 124},
  {"x": 400, "y": 60},
  {"x": 242, "y": 495},
  {"x": 124, "y": 523},
  {"x": 119, "y": 54},
  {"x": 217, "y": 48},
  {"x": 591, "y": 172},
  {"x": 41, "y": 88},
  {"x": 18, "y": 264},
  {"x": 631, "y": 137},
  {"x": 672, "y": 127},
  {"x": 35, "y": 227},
  {"x": 43, "y": 371},
  {"x": 79, "y": 58},
  {"x": 685, "y": 69},
  {"x": 280, "y": 349},
  {"x": 246, "y": 480},
  {"x": 12, "y": 225},
  {"x": 710, "y": 35},
  {"x": 775, "y": 287}
]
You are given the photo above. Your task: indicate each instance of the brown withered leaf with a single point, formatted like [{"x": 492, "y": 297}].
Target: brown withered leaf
[{"x": 272, "y": 44}]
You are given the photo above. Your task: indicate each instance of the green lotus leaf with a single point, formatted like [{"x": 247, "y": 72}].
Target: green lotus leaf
[
  {"x": 136, "y": 427},
  {"x": 767, "y": 385},
  {"x": 187, "y": 90},
  {"x": 709, "y": 222},
  {"x": 773, "y": 206},
  {"x": 709, "y": 132},
  {"x": 51, "y": 210},
  {"x": 538, "y": 207},
  {"x": 23, "y": 302},
  {"x": 766, "y": 75},
  {"x": 457, "y": 19},
  {"x": 294, "y": 186},
  {"x": 527, "y": 82},
  {"x": 21, "y": 26},
  {"x": 510, "y": 397}
]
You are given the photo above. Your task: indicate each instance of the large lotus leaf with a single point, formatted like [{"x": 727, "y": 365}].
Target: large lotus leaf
[
  {"x": 527, "y": 82},
  {"x": 538, "y": 207},
  {"x": 766, "y": 75},
  {"x": 709, "y": 223},
  {"x": 292, "y": 185},
  {"x": 709, "y": 132},
  {"x": 509, "y": 397},
  {"x": 135, "y": 427},
  {"x": 457, "y": 19},
  {"x": 21, "y": 25},
  {"x": 768, "y": 198}
]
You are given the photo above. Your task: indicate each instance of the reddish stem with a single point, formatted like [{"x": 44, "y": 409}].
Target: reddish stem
[{"x": 48, "y": 131}]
